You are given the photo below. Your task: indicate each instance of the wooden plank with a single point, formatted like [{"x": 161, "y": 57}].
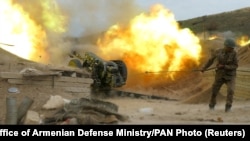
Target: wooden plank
[
  {"x": 75, "y": 79},
  {"x": 20, "y": 75},
  {"x": 46, "y": 78},
  {"x": 42, "y": 74},
  {"x": 63, "y": 79},
  {"x": 47, "y": 83},
  {"x": 10, "y": 75},
  {"x": 70, "y": 69},
  {"x": 35, "y": 72}
]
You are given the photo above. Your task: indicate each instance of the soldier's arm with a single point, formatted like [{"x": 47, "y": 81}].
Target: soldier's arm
[{"x": 210, "y": 61}]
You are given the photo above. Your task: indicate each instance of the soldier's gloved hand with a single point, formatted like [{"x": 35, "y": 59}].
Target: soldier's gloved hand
[{"x": 220, "y": 66}]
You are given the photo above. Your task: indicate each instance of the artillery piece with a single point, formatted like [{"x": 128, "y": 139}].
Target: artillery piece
[{"x": 106, "y": 74}]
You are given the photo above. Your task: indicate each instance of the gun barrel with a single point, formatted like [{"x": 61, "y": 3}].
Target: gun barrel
[{"x": 178, "y": 71}]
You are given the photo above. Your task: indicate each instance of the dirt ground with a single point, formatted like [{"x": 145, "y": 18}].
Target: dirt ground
[
  {"x": 185, "y": 105},
  {"x": 174, "y": 112},
  {"x": 177, "y": 110},
  {"x": 146, "y": 111}
]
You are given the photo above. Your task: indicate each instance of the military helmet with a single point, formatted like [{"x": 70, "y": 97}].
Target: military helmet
[{"x": 229, "y": 43}]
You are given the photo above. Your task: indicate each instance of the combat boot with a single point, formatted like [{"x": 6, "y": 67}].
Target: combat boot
[{"x": 228, "y": 108}]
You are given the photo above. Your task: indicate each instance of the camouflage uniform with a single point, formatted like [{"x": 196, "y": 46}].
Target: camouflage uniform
[{"x": 224, "y": 75}]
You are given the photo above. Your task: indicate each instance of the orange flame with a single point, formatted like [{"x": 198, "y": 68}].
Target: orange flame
[
  {"x": 152, "y": 42},
  {"x": 18, "y": 28},
  {"x": 243, "y": 41},
  {"x": 213, "y": 37}
]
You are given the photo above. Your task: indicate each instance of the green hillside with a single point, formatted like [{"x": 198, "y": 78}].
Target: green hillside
[{"x": 237, "y": 21}]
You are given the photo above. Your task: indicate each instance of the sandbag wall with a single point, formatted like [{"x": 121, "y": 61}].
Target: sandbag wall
[{"x": 242, "y": 87}]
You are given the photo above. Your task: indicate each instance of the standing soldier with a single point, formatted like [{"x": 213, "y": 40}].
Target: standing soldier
[{"x": 227, "y": 63}]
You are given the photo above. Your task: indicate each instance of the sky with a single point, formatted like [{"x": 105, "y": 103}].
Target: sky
[{"x": 92, "y": 16}]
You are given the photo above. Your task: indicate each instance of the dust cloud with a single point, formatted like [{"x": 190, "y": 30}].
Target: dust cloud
[{"x": 94, "y": 16}]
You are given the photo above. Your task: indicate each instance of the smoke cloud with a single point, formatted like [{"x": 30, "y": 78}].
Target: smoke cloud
[{"x": 94, "y": 16}]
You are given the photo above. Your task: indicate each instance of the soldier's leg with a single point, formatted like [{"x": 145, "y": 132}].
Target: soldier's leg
[
  {"x": 215, "y": 90},
  {"x": 230, "y": 94}
]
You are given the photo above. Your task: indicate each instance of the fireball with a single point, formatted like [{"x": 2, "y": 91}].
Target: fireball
[
  {"x": 152, "y": 42},
  {"x": 23, "y": 33}
]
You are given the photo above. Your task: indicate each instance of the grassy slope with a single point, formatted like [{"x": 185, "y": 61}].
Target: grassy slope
[{"x": 237, "y": 21}]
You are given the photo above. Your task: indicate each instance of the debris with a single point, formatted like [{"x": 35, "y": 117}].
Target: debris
[
  {"x": 30, "y": 71},
  {"x": 34, "y": 72},
  {"x": 219, "y": 119},
  {"x": 31, "y": 118},
  {"x": 146, "y": 110},
  {"x": 13, "y": 90},
  {"x": 54, "y": 102},
  {"x": 70, "y": 121},
  {"x": 180, "y": 113},
  {"x": 87, "y": 111}
]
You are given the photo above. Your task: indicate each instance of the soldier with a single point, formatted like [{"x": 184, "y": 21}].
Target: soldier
[{"x": 227, "y": 63}]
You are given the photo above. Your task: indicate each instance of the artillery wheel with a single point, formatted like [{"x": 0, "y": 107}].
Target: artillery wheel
[{"x": 122, "y": 68}]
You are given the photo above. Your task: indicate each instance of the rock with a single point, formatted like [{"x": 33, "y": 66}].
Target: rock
[
  {"x": 32, "y": 117},
  {"x": 54, "y": 102}
]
